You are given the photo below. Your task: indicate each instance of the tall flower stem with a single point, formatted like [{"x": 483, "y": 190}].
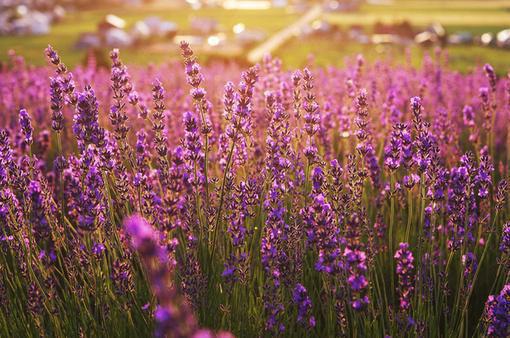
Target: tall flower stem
[
  {"x": 222, "y": 193},
  {"x": 391, "y": 231},
  {"x": 475, "y": 278}
]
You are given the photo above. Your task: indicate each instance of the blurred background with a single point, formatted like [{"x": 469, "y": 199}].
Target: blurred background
[{"x": 472, "y": 32}]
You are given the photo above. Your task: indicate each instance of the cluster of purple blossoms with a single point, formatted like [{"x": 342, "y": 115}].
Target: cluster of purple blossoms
[
  {"x": 311, "y": 116},
  {"x": 504, "y": 245},
  {"x": 91, "y": 206},
  {"x": 469, "y": 120},
  {"x": 491, "y": 76},
  {"x": 244, "y": 199},
  {"x": 158, "y": 127},
  {"x": 195, "y": 78},
  {"x": 122, "y": 88},
  {"x": 483, "y": 177},
  {"x": 304, "y": 304},
  {"x": 497, "y": 314},
  {"x": 356, "y": 265},
  {"x": 405, "y": 274},
  {"x": 193, "y": 149},
  {"x": 273, "y": 255},
  {"x": 470, "y": 265},
  {"x": 173, "y": 317},
  {"x": 424, "y": 141},
  {"x": 234, "y": 269},
  {"x": 38, "y": 210},
  {"x": 322, "y": 232},
  {"x": 57, "y": 104},
  {"x": 64, "y": 77},
  {"x": 26, "y": 126},
  {"x": 392, "y": 156},
  {"x": 85, "y": 123},
  {"x": 238, "y": 111}
]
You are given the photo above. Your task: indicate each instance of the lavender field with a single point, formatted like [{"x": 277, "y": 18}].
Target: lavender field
[{"x": 369, "y": 200}]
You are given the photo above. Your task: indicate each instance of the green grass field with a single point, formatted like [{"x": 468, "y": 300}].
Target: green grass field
[
  {"x": 64, "y": 35},
  {"x": 461, "y": 58},
  {"x": 476, "y": 16}
]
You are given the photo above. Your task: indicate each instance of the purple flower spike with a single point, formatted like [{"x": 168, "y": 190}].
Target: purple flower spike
[
  {"x": 143, "y": 236},
  {"x": 497, "y": 314},
  {"x": 26, "y": 126},
  {"x": 304, "y": 304},
  {"x": 405, "y": 273}
]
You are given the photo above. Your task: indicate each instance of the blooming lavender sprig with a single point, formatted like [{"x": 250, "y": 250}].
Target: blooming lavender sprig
[
  {"x": 361, "y": 121},
  {"x": 11, "y": 213},
  {"x": 229, "y": 101},
  {"x": 238, "y": 114},
  {"x": 486, "y": 108},
  {"x": 173, "y": 317},
  {"x": 26, "y": 126},
  {"x": 497, "y": 313},
  {"x": 310, "y": 106},
  {"x": 195, "y": 78},
  {"x": 311, "y": 116},
  {"x": 121, "y": 87},
  {"x": 405, "y": 273},
  {"x": 193, "y": 148},
  {"x": 392, "y": 151},
  {"x": 273, "y": 255},
  {"x": 483, "y": 178},
  {"x": 491, "y": 76},
  {"x": 57, "y": 104},
  {"x": 160, "y": 133},
  {"x": 469, "y": 120},
  {"x": 501, "y": 194},
  {"x": 38, "y": 212},
  {"x": 296, "y": 94},
  {"x": 423, "y": 141},
  {"x": 66, "y": 78},
  {"x": 406, "y": 144},
  {"x": 54, "y": 58},
  {"x": 364, "y": 147},
  {"x": 470, "y": 263},
  {"x": 504, "y": 245},
  {"x": 85, "y": 123},
  {"x": 355, "y": 261},
  {"x": 322, "y": 232},
  {"x": 304, "y": 304}
]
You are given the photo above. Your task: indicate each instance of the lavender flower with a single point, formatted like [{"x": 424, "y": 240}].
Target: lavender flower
[
  {"x": 26, "y": 126},
  {"x": 57, "y": 104},
  {"x": 504, "y": 245},
  {"x": 470, "y": 265},
  {"x": 173, "y": 316},
  {"x": 304, "y": 304},
  {"x": 491, "y": 76},
  {"x": 91, "y": 205},
  {"x": 310, "y": 106},
  {"x": 392, "y": 151},
  {"x": 483, "y": 178},
  {"x": 497, "y": 313},
  {"x": 405, "y": 273},
  {"x": 121, "y": 87},
  {"x": 357, "y": 268},
  {"x": 86, "y": 126},
  {"x": 42, "y": 229}
]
